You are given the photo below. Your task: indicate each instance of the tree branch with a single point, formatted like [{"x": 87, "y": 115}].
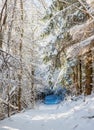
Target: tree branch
[{"x": 7, "y": 103}]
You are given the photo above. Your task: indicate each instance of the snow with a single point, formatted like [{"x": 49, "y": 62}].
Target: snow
[
  {"x": 89, "y": 1},
  {"x": 69, "y": 115},
  {"x": 80, "y": 48}
]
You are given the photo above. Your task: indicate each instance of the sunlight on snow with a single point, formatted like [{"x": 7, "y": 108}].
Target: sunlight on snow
[
  {"x": 9, "y": 128},
  {"x": 59, "y": 115},
  {"x": 52, "y": 116}
]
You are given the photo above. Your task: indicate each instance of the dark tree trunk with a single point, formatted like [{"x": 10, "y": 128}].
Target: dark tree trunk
[
  {"x": 1, "y": 38},
  {"x": 19, "y": 99},
  {"x": 80, "y": 77},
  {"x": 88, "y": 71},
  {"x": 76, "y": 79}
]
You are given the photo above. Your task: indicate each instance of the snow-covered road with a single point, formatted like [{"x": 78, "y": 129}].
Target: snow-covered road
[{"x": 70, "y": 115}]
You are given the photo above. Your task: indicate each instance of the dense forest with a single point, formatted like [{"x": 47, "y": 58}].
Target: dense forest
[{"x": 44, "y": 46}]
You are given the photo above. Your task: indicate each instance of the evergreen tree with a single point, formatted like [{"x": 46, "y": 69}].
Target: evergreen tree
[{"x": 61, "y": 17}]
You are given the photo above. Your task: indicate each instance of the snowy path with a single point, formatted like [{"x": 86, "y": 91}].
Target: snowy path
[{"x": 72, "y": 115}]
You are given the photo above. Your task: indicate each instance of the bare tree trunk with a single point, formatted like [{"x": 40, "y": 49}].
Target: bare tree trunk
[
  {"x": 88, "y": 70},
  {"x": 8, "y": 103},
  {"x": 3, "y": 17},
  {"x": 11, "y": 26},
  {"x": 76, "y": 79},
  {"x": 32, "y": 90},
  {"x": 1, "y": 39},
  {"x": 19, "y": 98},
  {"x": 8, "y": 46},
  {"x": 80, "y": 76},
  {"x": 20, "y": 53}
]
